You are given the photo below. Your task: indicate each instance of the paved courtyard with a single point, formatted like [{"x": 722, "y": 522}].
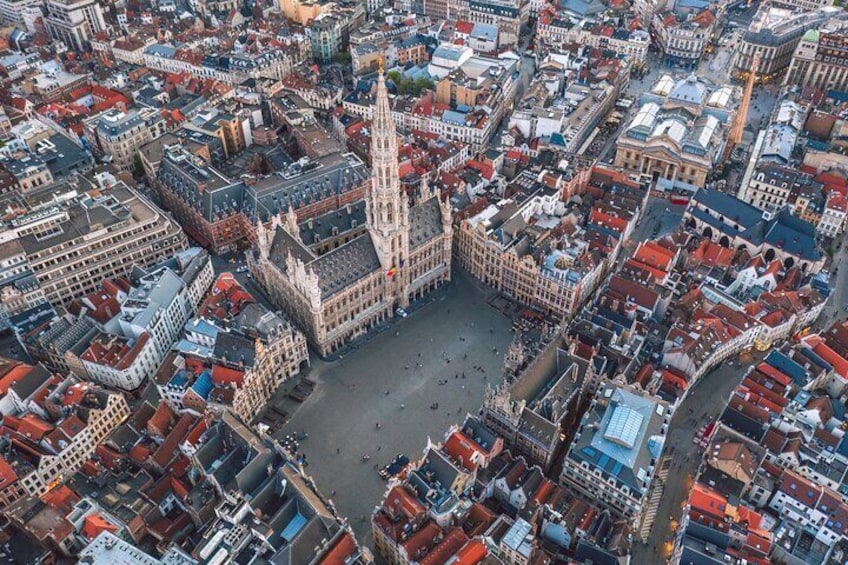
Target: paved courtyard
[{"x": 350, "y": 397}]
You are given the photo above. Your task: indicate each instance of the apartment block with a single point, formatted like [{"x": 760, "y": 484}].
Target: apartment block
[
  {"x": 12, "y": 11},
  {"x": 119, "y": 135},
  {"x": 820, "y": 59},
  {"x": 92, "y": 232},
  {"x": 74, "y": 21},
  {"x": 773, "y": 36}
]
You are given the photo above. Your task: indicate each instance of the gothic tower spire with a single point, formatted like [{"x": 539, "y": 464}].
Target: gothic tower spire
[{"x": 387, "y": 208}]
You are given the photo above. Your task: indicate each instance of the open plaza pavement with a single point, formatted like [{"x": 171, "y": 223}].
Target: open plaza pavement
[{"x": 409, "y": 360}]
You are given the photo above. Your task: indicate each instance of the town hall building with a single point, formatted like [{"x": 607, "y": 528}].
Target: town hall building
[{"x": 343, "y": 273}]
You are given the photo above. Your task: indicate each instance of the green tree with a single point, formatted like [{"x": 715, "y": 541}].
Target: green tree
[
  {"x": 342, "y": 57},
  {"x": 423, "y": 83},
  {"x": 138, "y": 166},
  {"x": 407, "y": 85}
]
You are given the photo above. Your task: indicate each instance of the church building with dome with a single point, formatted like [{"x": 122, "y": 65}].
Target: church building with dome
[
  {"x": 680, "y": 130},
  {"x": 341, "y": 274}
]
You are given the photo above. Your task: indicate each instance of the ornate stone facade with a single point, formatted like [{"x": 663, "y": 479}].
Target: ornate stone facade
[{"x": 337, "y": 293}]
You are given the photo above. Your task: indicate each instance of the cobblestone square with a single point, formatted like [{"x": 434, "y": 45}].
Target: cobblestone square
[{"x": 447, "y": 338}]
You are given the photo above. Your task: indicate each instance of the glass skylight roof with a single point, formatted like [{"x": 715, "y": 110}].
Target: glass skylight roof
[{"x": 624, "y": 426}]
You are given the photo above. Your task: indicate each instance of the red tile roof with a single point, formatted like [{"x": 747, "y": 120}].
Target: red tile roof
[
  {"x": 800, "y": 489},
  {"x": 161, "y": 420},
  {"x": 654, "y": 255},
  {"x": 451, "y": 544},
  {"x": 712, "y": 254},
  {"x": 704, "y": 18},
  {"x": 61, "y": 498},
  {"x": 170, "y": 447},
  {"x": 15, "y": 375},
  {"x": 116, "y": 352},
  {"x": 75, "y": 393},
  {"x": 544, "y": 491},
  {"x": 227, "y": 299},
  {"x": 471, "y": 553},
  {"x": 7, "y": 475},
  {"x": 421, "y": 541},
  {"x": 706, "y": 501},
  {"x": 30, "y": 426},
  {"x": 400, "y": 501},
  {"x": 341, "y": 551},
  {"x": 837, "y": 202},
  {"x": 631, "y": 291},
  {"x": 817, "y": 344},
  {"x": 95, "y": 524},
  {"x": 606, "y": 220},
  {"x": 464, "y": 27},
  {"x": 463, "y": 449},
  {"x": 224, "y": 375}
]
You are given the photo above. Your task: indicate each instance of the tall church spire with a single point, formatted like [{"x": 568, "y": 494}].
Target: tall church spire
[
  {"x": 387, "y": 207},
  {"x": 384, "y": 149}
]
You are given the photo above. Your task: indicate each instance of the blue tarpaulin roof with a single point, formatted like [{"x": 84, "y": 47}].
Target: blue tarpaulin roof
[
  {"x": 294, "y": 527},
  {"x": 203, "y": 385}
]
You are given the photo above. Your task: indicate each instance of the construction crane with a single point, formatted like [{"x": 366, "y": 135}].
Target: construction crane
[{"x": 738, "y": 128}]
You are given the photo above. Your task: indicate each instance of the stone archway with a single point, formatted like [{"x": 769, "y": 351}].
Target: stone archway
[
  {"x": 724, "y": 241},
  {"x": 769, "y": 255},
  {"x": 788, "y": 263},
  {"x": 708, "y": 232}
]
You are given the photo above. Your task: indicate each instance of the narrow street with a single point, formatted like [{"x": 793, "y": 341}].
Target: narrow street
[
  {"x": 835, "y": 308},
  {"x": 705, "y": 403}
]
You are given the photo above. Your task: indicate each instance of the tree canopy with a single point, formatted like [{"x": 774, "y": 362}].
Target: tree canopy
[{"x": 407, "y": 85}]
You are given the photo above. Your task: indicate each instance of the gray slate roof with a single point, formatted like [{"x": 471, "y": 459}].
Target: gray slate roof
[
  {"x": 425, "y": 222},
  {"x": 343, "y": 219},
  {"x": 343, "y": 266}
]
